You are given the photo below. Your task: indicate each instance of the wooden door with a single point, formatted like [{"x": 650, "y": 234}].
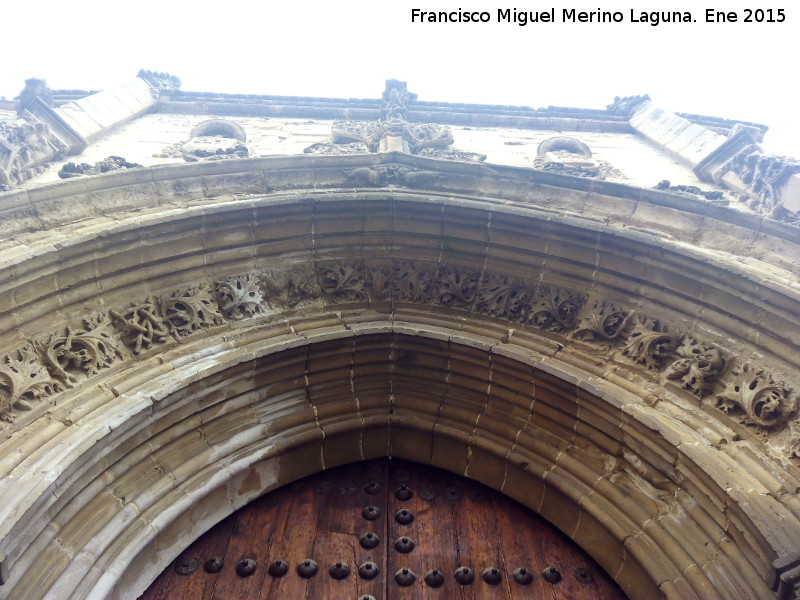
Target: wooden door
[{"x": 335, "y": 517}]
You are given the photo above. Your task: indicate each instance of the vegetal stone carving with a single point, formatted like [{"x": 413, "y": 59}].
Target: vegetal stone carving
[
  {"x": 22, "y": 378},
  {"x": 456, "y": 288},
  {"x": 240, "y": 296},
  {"x": 84, "y": 350},
  {"x": 379, "y": 279},
  {"x": 603, "y": 321},
  {"x": 699, "y": 366},
  {"x": 353, "y": 148},
  {"x": 648, "y": 345},
  {"x": 141, "y": 325},
  {"x": 453, "y": 155},
  {"x": 763, "y": 174},
  {"x": 555, "y": 309},
  {"x": 504, "y": 297},
  {"x": 764, "y": 401},
  {"x": 191, "y": 309},
  {"x": 112, "y": 163},
  {"x": 413, "y": 281},
  {"x": 26, "y": 148},
  {"x": 691, "y": 190},
  {"x": 342, "y": 281}
]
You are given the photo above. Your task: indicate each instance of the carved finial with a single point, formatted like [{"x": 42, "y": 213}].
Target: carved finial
[
  {"x": 626, "y": 105},
  {"x": 395, "y": 100},
  {"x": 34, "y": 88},
  {"x": 160, "y": 81}
]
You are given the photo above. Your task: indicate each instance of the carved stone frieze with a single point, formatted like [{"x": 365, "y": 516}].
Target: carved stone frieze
[
  {"x": 379, "y": 279},
  {"x": 574, "y": 171},
  {"x": 213, "y": 147},
  {"x": 602, "y": 321},
  {"x": 452, "y": 155},
  {"x": 456, "y": 287},
  {"x": 352, "y": 148},
  {"x": 392, "y": 175},
  {"x": 27, "y": 146},
  {"x": 763, "y": 174},
  {"x": 191, "y": 309},
  {"x": 342, "y": 281},
  {"x": 241, "y": 296},
  {"x": 554, "y": 309},
  {"x": 754, "y": 392},
  {"x": 141, "y": 325},
  {"x": 648, "y": 344},
  {"x": 504, "y": 297},
  {"x": 413, "y": 281},
  {"x": 23, "y": 378},
  {"x": 690, "y": 190},
  {"x": 112, "y": 163},
  {"x": 80, "y": 350},
  {"x": 290, "y": 288},
  {"x": 698, "y": 367},
  {"x": 605, "y": 329}
]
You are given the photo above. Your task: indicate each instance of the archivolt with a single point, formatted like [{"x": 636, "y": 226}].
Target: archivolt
[
  {"x": 231, "y": 421},
  {"x": 276, "y": 376}
]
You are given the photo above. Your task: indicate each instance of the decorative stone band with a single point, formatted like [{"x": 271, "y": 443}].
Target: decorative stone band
[{"x": 605, "y": 330}]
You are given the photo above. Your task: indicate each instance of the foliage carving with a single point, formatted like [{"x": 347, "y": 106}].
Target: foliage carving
[
  {"x": 698, "y": 367},
  {"x": 764, "y": 401},
  {"x": 23, "y": 378},
  {"x": 649, "y": 346},
  {"x": 240, "y": 297},
  {"x": 190, "y": 309},
  {"x": 84, "y": 350}
]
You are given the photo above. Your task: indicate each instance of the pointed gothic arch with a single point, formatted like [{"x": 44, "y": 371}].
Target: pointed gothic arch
[{"x": 193, "y": 336}]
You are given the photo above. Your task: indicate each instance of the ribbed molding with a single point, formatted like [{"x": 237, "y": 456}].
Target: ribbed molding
[{"x": 479, "y": 319}]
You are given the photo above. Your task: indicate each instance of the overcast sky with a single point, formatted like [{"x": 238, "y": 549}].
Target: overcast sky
[{"x": 744, "y": 71}]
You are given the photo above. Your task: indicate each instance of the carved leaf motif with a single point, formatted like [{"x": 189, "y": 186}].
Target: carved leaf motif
[
  {"x": 240, "y": 296},
  {"x": 698, "y": 368},
  {"x": 412, "y": 281},
  {"x": 191, "y": 309},
  {"x": 603, "y": 322},
  {"x": 87, "y": 350},
  {"x": 141, "y": 325},
  {"x": 649, "y": 346},
  {"x": 301, "y": 285},
  {"x": 22, "y": 378},
  {"x": 504, "y": 298},
  {"x": 555, "y": 309},
  {"x": 379, "y": 280},
  {"x": 456, "y": 288},
  {"x": 765, "y": 402},
  {"x": 342, "y": 281},
  {"x": 354, "y": 148}
]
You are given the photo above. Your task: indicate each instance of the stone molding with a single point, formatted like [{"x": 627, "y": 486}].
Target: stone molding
[
  {"x": 606, "y": 331},
  {"x": 202, "y": 311}
]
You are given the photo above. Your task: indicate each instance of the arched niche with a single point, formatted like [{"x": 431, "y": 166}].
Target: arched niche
[
  {"x": 304, "y": 312},
  {"x": 221, "y": 128}
]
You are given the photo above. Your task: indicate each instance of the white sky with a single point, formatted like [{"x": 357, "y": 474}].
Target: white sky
[{"x": 344, "y": 48}]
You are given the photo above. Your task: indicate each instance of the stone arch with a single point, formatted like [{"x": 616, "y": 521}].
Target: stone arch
[{"x": 198, "y": 319}]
